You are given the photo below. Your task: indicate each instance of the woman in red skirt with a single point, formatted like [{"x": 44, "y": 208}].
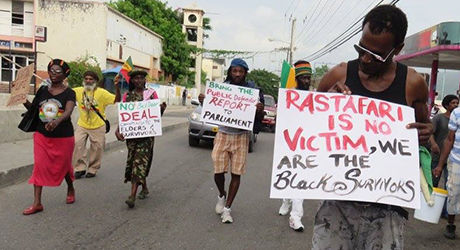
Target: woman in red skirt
[{"x": 54, "y": 139}]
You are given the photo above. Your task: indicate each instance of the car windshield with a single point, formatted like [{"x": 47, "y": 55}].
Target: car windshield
[{"x": 269, "y": 100}]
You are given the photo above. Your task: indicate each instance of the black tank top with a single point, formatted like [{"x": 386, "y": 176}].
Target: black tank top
[{"x": 395, "y": 93}]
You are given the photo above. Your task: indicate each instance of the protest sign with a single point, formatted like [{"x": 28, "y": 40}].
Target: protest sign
[
  {"x": 140, "y": 119},
  {"x": 20, "y": 86},
  {"x": 345, "y": 147},
  {"x": 230, "y": 105}
]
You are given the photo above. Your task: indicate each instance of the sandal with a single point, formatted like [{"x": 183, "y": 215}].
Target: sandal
[
  {"x": 130, "y": 201},
  {"x": 32, "y": 210},
  {"x": 70, "y": 199},
  {"x": 143, "y": 194}
]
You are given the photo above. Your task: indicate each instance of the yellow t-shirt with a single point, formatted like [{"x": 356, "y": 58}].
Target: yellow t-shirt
[{"x": 100, "y": 98}]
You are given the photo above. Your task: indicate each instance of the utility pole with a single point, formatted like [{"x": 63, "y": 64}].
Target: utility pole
[{"x": 291, "y": 44}]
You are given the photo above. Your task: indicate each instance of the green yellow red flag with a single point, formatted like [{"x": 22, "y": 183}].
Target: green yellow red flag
[
  {"x": 126, "y": 68},
  {"x": 288, "y": 76}
]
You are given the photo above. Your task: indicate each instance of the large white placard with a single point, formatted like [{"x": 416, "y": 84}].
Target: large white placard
[
  {"x": 345, "y": 147},
  {"x": 139, "y": 119},
  {"x": 230, "y": 105}
]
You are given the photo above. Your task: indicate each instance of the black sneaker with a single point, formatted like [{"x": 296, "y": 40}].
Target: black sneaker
[
  {"x": 90, "y": 175},
  {"x": 450, "y": 232},
  {"x": 79, "y": 174}
]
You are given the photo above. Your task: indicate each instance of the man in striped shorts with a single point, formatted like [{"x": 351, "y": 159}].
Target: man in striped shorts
[
  {"x": 452, "y": 150},
  {"x": 231, "y": 145}
]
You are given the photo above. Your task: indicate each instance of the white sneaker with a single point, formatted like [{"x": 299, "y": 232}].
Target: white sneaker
[
  {"x": 220, "y": 204},
  {"x": 226, "y": 217},
  {"x": 296, "y": 224},
  {"x": 284, "y": 209}
]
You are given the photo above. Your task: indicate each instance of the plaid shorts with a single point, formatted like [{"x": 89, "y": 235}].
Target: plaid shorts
[
  {"x": 230, "y": 148},
  {"x": 453, "y": 188},
  {"x": 350, "y": 225}
]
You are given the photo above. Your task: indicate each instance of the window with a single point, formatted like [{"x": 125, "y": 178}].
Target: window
[
  {"x": 6, "y": 70},
  {"x": 192, "y": 62},
  {"x": 214, "y": 67},
  {"x": 17, "y": 15},
  {"x": 192, "y": 18},
  {"x": 9, "y": 73},
  {"x": 192, "y": 34}
]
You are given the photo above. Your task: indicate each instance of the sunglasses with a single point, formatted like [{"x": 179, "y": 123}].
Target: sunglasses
[
  {"x": 361, "y": 50},
  {"x": 54, "y": 71}
]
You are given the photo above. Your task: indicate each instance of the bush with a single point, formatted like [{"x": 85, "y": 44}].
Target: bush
[{"x": 78, "y": 69}]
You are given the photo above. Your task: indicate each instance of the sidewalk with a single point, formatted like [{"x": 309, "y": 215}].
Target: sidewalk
[{"x": 16, "y": 162}]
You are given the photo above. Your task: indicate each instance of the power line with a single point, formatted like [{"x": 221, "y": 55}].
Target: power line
[
  {"x": 320, "y": 12},
  {"x": 341, "y": 21},
  {"x": 330, "y": 44},
  {"x": 289, "y": 8},
  {"x": 320, "y": 29},
  {"x": 344, "y": 40},
  {"x": 308, "y": 18},
  {"x": 295, "y": 9}
]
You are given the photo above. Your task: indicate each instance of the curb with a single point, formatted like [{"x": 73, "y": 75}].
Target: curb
[{"x": 22, "y": 173}]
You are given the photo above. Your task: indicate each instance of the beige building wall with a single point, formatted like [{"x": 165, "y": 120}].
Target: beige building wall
[
  {"x": 214, "y": 69},
  {"x": 126, "y": 38},
  {"x": 75, "y": 28},
  {"x": 206, "y": 66}
]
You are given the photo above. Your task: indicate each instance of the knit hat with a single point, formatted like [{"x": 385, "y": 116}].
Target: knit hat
[
  {"x": 239, "y": 62},
  {"x": 137, "y": 72},
  {"x": 302, "y": 68},
  {"x": 92, "y": 74},
  {"x": 64, "y": 66}
]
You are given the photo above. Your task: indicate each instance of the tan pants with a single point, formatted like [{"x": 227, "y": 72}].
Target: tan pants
[{"x": 97, "y": 144}]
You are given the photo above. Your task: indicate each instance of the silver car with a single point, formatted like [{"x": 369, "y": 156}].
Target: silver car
[{"x": 199, "y": 130}]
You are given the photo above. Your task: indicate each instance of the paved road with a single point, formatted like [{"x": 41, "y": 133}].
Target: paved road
[{"x": 179, "y": 213}]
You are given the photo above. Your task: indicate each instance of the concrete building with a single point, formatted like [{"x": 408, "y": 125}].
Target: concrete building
[
  {"x": 214, "y": 68},
  {"x": 193, "y": 27},
  {"x": 77, "y": 29},
  {"x": 17, "y": 29}
]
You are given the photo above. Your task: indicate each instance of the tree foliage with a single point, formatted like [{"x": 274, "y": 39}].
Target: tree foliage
[
  {"x": 156, "y": 16},
  {"x": 321, "y": 71},
  {"x": 266, "y": 80},
  {"x": 79, "y": 67}
]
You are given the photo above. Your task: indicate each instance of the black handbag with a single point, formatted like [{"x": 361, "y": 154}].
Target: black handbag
[
  {"x": 107, "y": 123},
  {"x": 30, "y": 118}
]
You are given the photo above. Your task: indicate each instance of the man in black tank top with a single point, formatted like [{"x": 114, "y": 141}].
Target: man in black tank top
[{"x": 358, "y": 225}]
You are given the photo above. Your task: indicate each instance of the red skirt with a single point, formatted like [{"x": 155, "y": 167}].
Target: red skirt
[{"x": 52, "y": 160}]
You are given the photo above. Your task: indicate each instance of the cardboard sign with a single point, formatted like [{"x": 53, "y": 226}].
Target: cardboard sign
[
  {"x": 20, "y": 86},
  {"x": 345, "y": 147},
  {"x": 230, "y": 105},
  {"x": 140, "y": 119}
]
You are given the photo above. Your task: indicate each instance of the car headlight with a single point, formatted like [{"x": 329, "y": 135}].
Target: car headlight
[{"x": 195, "y": 117}]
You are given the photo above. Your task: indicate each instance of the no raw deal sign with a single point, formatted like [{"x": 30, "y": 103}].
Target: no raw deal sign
[
  {"x": 140, "y": 119},
  {"x": 345, "y": 147}
]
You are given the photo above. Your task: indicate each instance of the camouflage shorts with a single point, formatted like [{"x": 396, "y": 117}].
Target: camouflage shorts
[{"x": 347, "y": 225}]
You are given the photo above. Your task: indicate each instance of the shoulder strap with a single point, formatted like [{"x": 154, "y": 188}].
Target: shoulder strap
[{"x": 97, "y": 112}]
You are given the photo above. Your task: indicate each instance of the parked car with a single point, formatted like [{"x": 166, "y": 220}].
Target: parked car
[
  {"x": 198, "y": 130},
  {"x": 269, "y": 120}
]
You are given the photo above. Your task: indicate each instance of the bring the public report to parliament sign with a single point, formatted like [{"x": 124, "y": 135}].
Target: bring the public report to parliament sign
[
  {"x": 345, "y": 147},
  {"x": 139, "y": 119},
  {"x": 230, "y": 105}
]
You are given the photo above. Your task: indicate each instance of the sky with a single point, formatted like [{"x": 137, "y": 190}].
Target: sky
[{"x": 247, "y": 25}]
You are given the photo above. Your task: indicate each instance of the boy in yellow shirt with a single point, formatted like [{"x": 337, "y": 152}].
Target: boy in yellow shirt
[{"x": 90, "y": 126}]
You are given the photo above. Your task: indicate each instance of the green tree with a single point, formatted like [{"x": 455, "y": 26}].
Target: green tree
[
  {"x": 206, "y": 27},
  {"x": 321, "y": 71},
  {"x": 266, "y": 80},
  {"x": 156, "y": 16},
  {"x": 318, "y": 74},
  {"x": 203, "y": 77},
  {"x": 79, "y": 67}
]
